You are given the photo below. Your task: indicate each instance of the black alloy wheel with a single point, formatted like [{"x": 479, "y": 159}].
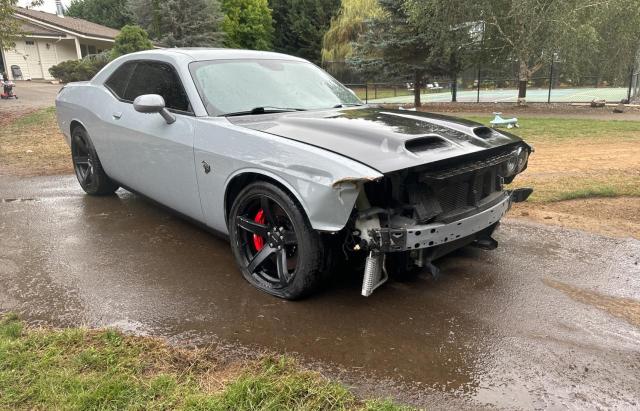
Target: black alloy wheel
[
  {"x": 277, "y": 250},
  {"x": 87, "y": 166}
]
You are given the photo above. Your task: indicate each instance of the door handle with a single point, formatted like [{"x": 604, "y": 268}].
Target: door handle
[{"x": 117, "y": 115}]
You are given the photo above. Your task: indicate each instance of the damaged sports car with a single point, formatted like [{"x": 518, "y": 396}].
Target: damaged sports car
[{"x": 274, "y": 153}]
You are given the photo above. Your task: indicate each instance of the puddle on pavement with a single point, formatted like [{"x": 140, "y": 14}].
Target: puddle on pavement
[
  {"x": 625, "y": 308},
  {"x": 121, "y": 261}
]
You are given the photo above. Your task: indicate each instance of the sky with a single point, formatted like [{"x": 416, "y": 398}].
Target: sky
[{"x": 48, "y": 5}]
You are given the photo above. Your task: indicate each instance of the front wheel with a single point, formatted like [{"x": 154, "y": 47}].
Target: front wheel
[
  {"x": 273, "y": 243},
  {"x": 87, "y": 166}
]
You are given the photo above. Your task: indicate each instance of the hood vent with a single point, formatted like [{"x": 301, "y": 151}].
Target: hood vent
[
  {"x": 483, "y": 132},
  {"x": 421, "y": 144}
]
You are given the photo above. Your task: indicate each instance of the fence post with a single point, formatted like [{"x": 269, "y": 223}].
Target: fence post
[
  {"x": 550, "y": 79},
  {"x": 375, "y": 91},
  {"x": 478, "y": 96},
  {"x": 630, "y": 86},
  {"x": 366, "y": 93}
]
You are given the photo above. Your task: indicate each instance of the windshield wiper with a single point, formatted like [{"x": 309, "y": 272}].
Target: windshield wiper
[{"x": 263, "y": 110}]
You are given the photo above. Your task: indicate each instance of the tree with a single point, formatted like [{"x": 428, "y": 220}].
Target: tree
[
  {"x": 610, "y": 33},
  {"x": 110, "y": 13},
  {"x": 455, "y": 31},
  {"x": 180, "y": 23},
  {"x": 394, "y": 45},
  {"x": 347, "y": 26},
  {"x": 9, "y": 26},
  {"x": 300, "y": 26},
  {"x": 130, "y": 40},
  {"x": 531, "y": 32},
  {"x": 247, "y": 24},
  {"x": 190, "y": 23}
]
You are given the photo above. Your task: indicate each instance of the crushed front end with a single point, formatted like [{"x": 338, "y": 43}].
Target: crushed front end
[{"x": 425, "y": 212}]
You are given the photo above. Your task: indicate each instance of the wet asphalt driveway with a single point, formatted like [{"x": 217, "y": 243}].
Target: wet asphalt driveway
[{"x": 550, "y": 319}]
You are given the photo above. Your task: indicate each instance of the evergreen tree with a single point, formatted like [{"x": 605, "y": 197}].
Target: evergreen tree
[
  {"x": 130, "y": 40},
  {"x": 247, "y": 24},
  {"x": 300, "y": 26},
  {"x": 180, "y": 23},
  {"x": 110, "y": 13},
  {"x": 394, "y": 45}
]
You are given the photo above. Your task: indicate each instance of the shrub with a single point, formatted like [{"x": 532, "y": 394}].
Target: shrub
[
  {"x": 80, "y": 70},
  {"x": 130, "y": 40}
]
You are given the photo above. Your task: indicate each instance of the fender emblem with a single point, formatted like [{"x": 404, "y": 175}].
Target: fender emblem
[{"x": 206, "y": 166}]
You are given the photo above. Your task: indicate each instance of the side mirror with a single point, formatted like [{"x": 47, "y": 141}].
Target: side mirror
[{"x": 153, "y": 103}]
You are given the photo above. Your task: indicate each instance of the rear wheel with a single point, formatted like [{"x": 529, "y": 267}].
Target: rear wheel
[
  {"x": 87, "y": 166},
  {"x": 273, "y": 243}
]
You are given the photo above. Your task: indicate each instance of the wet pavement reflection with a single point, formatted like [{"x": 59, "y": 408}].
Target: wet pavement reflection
[{"x": 550, "y": 319}]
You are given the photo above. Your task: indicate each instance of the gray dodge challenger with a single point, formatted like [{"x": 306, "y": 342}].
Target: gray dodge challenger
[{"x": 273, "y": 153}]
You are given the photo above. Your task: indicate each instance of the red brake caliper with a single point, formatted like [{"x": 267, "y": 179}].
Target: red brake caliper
[{"x": 258, "y": 242}]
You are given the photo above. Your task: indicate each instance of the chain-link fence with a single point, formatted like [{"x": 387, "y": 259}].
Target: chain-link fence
[{"x": 553, "y": 84}]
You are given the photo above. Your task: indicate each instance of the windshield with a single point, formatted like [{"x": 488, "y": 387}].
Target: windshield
[{"x": 238, "y": 86}]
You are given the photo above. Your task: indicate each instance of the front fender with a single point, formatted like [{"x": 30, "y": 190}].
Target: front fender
[
  {"x": 321, "y": 181},
  {"x": 327, "y": 203}
]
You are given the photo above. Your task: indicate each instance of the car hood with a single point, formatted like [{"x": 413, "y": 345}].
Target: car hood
[{"x": 386, "y": 140}]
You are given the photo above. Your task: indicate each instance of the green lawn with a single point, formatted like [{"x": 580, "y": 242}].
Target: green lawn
[
  {"x": 545, "y": 129},
  {"x": 106, "y": 370}
]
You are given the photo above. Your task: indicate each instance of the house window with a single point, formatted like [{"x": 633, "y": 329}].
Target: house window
[
  {"x": 87, "y": 50},
  {"x": 30, "y": 43}
]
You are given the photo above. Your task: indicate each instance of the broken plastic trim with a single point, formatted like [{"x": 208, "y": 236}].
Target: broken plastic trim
[{"x": 346, "y": 181}]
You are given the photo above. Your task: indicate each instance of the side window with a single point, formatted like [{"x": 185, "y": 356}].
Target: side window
[
  {"x": 158, "y": 78},
  {"x": 119, "y": 79}
]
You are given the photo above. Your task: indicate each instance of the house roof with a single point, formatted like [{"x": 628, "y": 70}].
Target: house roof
[
  {"x": 72, "y": 24},
  {"x": 37, "y": 30}
]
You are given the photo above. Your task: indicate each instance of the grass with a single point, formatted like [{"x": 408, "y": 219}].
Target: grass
[
  {"x": 545, "y": 129},
  {"x": 104, "y": 369}
]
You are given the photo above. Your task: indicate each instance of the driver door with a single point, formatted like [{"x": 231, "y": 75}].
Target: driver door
[{"x": 149, "y": 155}]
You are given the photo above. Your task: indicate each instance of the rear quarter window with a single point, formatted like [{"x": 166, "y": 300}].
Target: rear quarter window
[{"x": 119, "y": 80}]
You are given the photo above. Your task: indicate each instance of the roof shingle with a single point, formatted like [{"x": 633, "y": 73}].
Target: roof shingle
[{"x": 80, "y": 26}]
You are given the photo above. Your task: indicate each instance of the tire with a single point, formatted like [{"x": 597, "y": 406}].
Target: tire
[
  {"x": 86, "y": 164},
  {"x": 275, "y": 247}
]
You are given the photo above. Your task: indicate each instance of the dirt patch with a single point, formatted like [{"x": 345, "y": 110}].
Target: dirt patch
[
  {"x": 31, "y": 144},
  {"x": 596, "y": 168},
  {"x": 616, "y": 217},
  {"x": 625, "y": 308}
]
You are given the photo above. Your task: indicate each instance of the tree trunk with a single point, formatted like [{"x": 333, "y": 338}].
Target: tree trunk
[
  {"x": 523, "y": 78},
  {"x": 417, "y": 89},
  {"x": 454, "y": 88}
]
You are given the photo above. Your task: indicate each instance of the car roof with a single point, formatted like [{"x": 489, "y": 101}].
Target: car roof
[{"x": 203, "y": 53}]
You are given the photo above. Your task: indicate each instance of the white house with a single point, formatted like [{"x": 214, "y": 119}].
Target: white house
[{"x": 49, "y": 39}]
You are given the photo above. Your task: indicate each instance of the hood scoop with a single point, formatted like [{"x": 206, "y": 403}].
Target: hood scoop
[
  {"x": 483, "y": 132},
  {"x": 426, "y": 143}
]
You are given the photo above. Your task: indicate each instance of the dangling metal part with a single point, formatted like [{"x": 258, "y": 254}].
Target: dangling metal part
[{"x": 375, "y": 273}]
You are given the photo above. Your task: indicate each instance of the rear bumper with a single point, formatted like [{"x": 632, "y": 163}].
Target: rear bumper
[{"x": 437, "y": 234}]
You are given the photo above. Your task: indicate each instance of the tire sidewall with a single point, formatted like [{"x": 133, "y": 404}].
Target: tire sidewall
[
  {"x": 306, "y": 272},
  {"x": 101, "y": 184}
]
